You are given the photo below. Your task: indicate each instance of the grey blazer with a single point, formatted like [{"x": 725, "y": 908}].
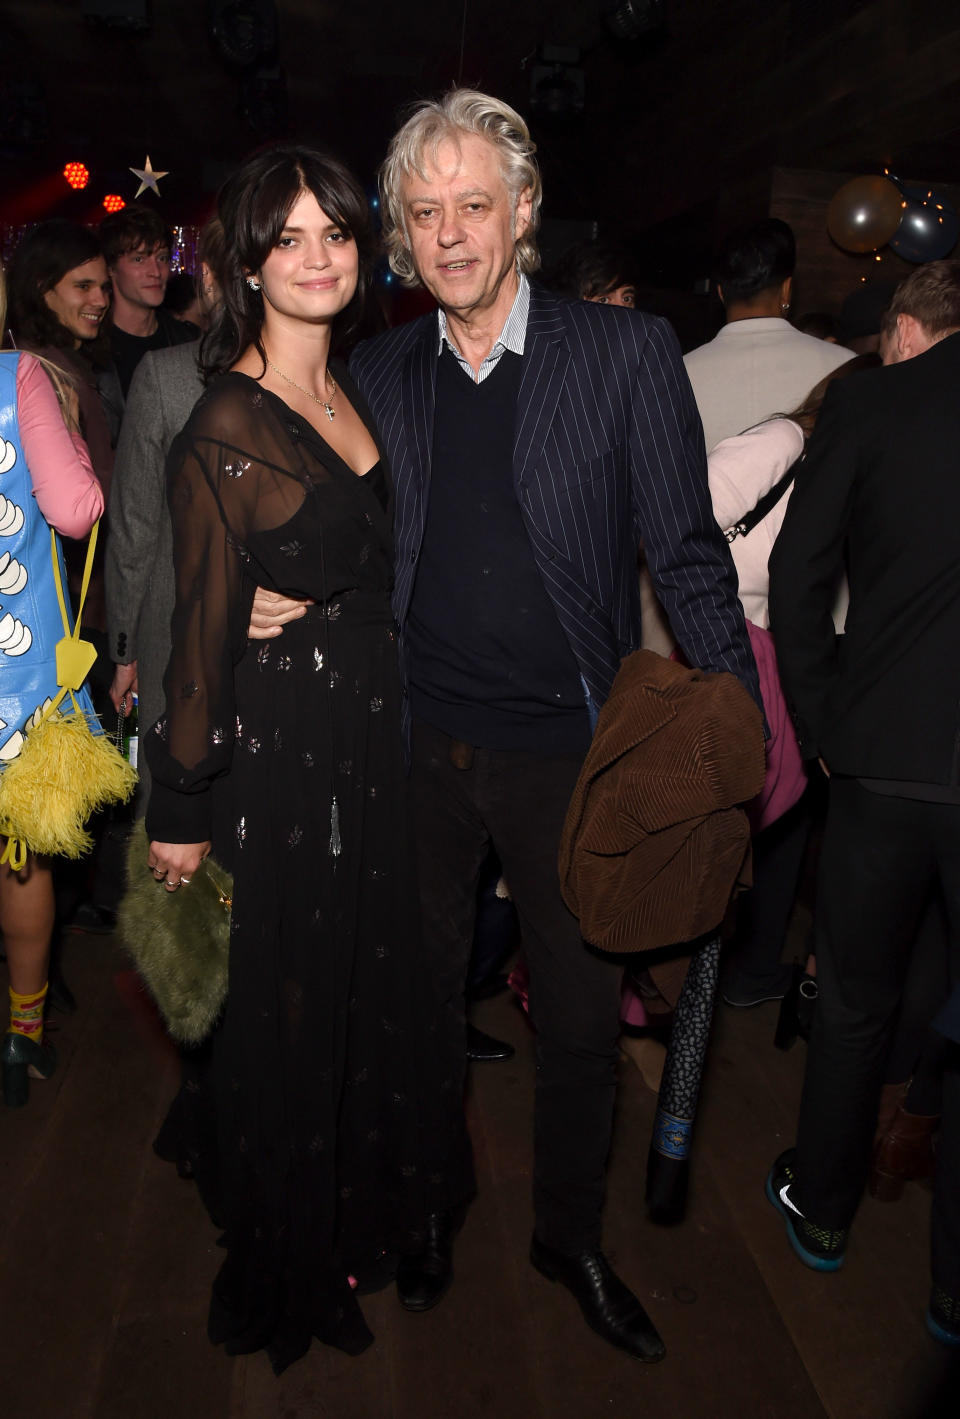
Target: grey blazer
[{"x": 139, "y": 557}]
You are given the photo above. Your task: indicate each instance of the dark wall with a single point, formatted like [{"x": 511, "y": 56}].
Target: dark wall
[
  {"x": 838, "y": 85},
  {"x": 825, "y": 274},
  {"x": 679, "y": 135}
]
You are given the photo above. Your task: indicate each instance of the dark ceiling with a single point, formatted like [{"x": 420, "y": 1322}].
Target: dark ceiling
[
  {"x": 339, "y": 75},
  {"x": 673, "y": 129}
]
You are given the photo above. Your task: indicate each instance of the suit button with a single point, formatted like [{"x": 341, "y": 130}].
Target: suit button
[{"x": 413, "y": 556}]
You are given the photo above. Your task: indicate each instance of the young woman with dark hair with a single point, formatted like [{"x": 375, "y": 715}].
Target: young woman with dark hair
[
  {"x": 285, "y": 757},
  {"x": 47, "y": 482},
  {"x": 59, "y": 291},
  {"x": 59, "y": 294},
  {"x": 254, "y": 207}
]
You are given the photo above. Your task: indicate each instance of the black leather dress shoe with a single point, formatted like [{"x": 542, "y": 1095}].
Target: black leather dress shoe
[
  {"x": 485, "y": 1047},
  {"x": 609, "y": 1307},
  {"x": 423, "y": 1276}
]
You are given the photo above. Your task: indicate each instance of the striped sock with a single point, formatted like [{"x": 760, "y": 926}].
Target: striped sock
[{"x": 26, "y": 1014}]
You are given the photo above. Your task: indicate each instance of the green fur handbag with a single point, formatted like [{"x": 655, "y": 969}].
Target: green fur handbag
[{"x": 179, "y": 941}]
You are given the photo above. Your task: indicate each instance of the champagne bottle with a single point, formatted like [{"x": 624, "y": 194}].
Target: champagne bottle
[{"x": 131, "y": 732}]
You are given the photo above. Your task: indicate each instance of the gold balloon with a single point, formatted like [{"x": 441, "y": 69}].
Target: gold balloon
[{"x": 864, "y": 213}]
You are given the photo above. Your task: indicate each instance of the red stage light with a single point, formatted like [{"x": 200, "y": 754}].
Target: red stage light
[
  {"x": 113, "y": 203},
  {"x": 77, "y": 175}
]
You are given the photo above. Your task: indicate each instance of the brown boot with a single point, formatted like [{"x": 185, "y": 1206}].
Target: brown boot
[
  {"x": 904, "y": 1154},
  {"x": 891, "y": 1097}
]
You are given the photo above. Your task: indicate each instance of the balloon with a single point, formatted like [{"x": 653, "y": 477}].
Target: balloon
[
  {"x": 864, "y": 213},
  {"x": 929, "y": 226}
]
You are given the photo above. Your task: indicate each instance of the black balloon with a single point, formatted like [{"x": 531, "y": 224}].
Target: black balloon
[{"x": 929, "y": 227}]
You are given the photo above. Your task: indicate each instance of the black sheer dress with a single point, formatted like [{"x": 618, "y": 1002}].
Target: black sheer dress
[{"x": 312, "y": 1133}]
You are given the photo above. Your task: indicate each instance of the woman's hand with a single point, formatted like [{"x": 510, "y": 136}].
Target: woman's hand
[{"x": 174, "y": 864}]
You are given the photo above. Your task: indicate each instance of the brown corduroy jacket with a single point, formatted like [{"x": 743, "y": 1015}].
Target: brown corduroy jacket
[{"x": 655, "y": 840}]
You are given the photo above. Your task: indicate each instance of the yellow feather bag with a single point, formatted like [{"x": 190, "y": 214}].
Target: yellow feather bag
[{"x": 64, "y": 772}]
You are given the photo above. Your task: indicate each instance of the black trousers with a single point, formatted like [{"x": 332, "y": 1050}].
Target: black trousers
[
  {"x": 918, "y": 1052},
  {"x": 752, "y": 961},
  {"x": 518, "y": 802},
  {"x": 881, "y": 857}
]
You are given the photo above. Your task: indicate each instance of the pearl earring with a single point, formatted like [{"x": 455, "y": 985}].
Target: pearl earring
[{"x": 253, "y": 283}]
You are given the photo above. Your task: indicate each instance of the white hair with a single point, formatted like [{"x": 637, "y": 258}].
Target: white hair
[{"x": 459, "y": 112}]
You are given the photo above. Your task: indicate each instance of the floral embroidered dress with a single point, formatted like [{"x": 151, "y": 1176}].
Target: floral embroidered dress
[{"x": 313, "y": 1161}]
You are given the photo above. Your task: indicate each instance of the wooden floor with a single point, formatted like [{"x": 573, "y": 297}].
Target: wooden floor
[{"x": 106, "y": 1259}]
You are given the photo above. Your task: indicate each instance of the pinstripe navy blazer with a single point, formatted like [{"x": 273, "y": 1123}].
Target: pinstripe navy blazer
[{"x": 608, "y": 449}]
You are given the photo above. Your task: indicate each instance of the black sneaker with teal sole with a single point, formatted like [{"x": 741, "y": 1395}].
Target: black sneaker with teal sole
[
  {"x": 820, "y": 1248},
  {"x": 943, "y": 1317}
]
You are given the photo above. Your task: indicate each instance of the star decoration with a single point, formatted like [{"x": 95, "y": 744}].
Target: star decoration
[{"x": 148, "y": 177}]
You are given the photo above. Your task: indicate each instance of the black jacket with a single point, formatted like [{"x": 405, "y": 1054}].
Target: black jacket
[
  {"x": 608, "y": 449},
  {"x": 879, "y": 494}
]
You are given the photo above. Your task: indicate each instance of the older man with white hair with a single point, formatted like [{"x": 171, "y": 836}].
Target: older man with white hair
[{"x": 533, "y": 443}]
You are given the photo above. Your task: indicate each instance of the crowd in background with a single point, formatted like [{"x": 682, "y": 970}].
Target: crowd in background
[{"x": 827, "y": 454}]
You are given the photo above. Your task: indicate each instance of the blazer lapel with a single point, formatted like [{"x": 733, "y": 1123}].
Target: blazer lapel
[
  {"x": 418, "y": 395},
  {"x": 546, "y": 356}
]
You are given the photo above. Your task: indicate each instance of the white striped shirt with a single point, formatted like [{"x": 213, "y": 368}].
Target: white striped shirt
[{"x": 511, "y": 337}]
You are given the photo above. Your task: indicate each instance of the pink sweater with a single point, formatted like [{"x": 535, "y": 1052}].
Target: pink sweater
[
  {"x": 740, "y": 470},
  {"x": 64, "y": 483}
]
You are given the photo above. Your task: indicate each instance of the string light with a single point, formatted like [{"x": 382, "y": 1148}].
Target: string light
[
  {"x": 77, "y": 176},
  {"x": 113, "y": 203}
]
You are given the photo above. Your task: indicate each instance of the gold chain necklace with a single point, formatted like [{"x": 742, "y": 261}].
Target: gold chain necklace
[{"x": 325, "y": 404}]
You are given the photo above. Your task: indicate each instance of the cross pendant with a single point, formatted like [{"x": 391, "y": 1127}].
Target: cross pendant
[{"x": 329, "y": 412}]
